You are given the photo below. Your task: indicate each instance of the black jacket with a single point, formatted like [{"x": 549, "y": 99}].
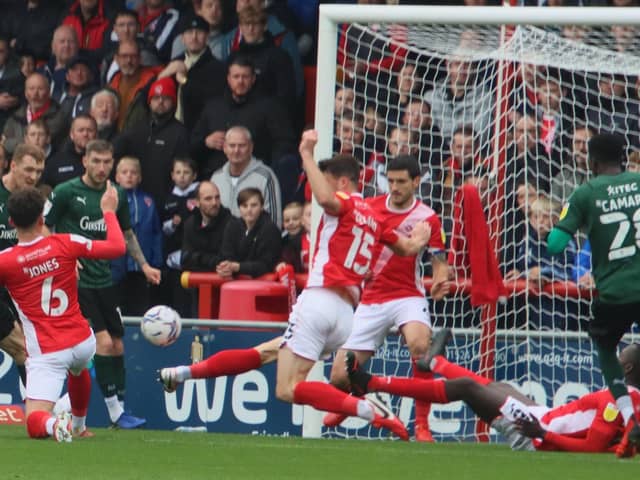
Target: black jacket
[
  {"x": 205, "y": 79},
  {"x": 156, "y": 142},
  {"x": 265, "y": 118},
  {"x": 64, "y": 165},
  {"x": 257, "y": 250},
  {"x": 274, "y": 71},
  {"x": 201, "y": 246}
]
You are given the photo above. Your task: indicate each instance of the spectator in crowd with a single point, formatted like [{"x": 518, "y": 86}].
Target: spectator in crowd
[
  {"x": 268, "y": 123},
  {"x": 75, "y": 98},
  {"x": 126, "y": 28},
  {"x": 556, "y": 115},
  {"x": 251, "y": 244},
  {"x": 64, "y": 47},
  {"x": 213, "y": 12},
  {"x": 296, "y": 241},
  {"x": 135, "y": 295},
  {"x": 281, "y": 37},
  {"x": 349, "y": 138},
  {"x": 538, "y": 267},
  {"x": 273, "y": 67},
  {"x": 633, "y": 162},
  {"x": 625, "y": 38},
  {"x": 199, "y": 74},
  {"x": 243, "y": 171},
  {"x": 29, "y": 26},
  {"x": 37, "y": 134},
  {"x": 291, "y": 219},
  {"x": 131, "y": 83},
  {"x": 67, "y": 162},
  {"x": 105, "y": 105},
  {"x": 204, "y": 230},
  {"x": 574, "y": 171},
  {"x": 27, "y": 63},
  {"x": 91, "y": 20},
  {"x": 159, "y": 25},
  {"x": 345, "y": 99},
  {"x": 457, "y": 100},
  {"x": 180, "y": 205},
  {"x": 408, "y": 88},
  {"x": 532, "y": 164},
  {"x": 613, "y": 109},
  {"x": 417, "y": 118},
  {"x": 4, "y": 163},
  {"x": 11, "y": 83},
  {"x": 39, "y": 105},
  {"x": 401, "y": 141},
  {"x": 157, "y": 139}
]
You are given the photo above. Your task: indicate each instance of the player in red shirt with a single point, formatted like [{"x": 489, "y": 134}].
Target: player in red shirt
[
  {"x": 40, "y": 275},
  {"x": 321, "y": 318},
  {"x": 395, "y": 294},
  {"x": 592, "y": 423}
]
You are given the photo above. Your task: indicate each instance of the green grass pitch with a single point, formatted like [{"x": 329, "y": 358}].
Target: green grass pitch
[{"x": 159, "y": 455}]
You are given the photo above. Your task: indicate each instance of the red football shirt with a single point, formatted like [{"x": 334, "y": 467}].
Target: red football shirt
[
  {"x": 345, "y": 242},
  {"x": 41, "y": 279},
  {"x": 395, "y": 276}
]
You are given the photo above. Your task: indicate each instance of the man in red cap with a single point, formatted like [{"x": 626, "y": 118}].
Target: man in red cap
[{"x": 157, "y": 140}]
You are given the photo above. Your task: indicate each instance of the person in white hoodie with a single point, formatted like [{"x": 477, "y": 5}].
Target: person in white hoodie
[{"x": 243, "y": 170}]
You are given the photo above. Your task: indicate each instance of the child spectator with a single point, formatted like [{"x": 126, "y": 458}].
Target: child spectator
[
  {"x": 251, "y": 244},
  {"x": 539, "y": 268},
  {"x": 134, "y": 289},
  {"x": 295, "y": 247},
  {"x": 292, "y": 219},
  {"x": 178, "y": 206}
]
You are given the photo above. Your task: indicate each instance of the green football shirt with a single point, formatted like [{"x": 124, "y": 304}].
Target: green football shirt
[
  {"x": 607, "y": 209},
  {"x": 8, "y": 236},
  {"x": 75, "y": 208}
]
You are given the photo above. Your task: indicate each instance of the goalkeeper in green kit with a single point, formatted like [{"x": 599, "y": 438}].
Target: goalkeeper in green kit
[{"x": 607, "y": 210}]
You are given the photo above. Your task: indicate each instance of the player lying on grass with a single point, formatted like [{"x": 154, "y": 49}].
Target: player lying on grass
[
  {"x": 40, "y": 275},
  {"x": 322, "y": 316},
  {"x": 591, "y": 423}
]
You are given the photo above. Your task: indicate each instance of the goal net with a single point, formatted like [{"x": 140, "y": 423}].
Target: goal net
[{"x": 508, "y": 108}]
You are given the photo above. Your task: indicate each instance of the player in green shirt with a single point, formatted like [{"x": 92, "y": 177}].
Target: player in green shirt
[
  {"x": 607, "y": 210},
  {"x": 27, "y": 165},
  {"x": 75, "y": 208}
]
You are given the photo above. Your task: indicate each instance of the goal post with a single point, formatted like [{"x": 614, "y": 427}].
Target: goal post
[{"x": 506, "y": 98}]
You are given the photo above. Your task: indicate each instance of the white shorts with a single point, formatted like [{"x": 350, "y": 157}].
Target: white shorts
[
  {"x": 371, "y": 323},
  {"x": 319, "y": 324},
  {"x": 46, "y": 373}
]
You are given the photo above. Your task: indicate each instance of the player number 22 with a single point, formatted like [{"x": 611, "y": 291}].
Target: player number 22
[
  {"x": 361, "y": 244},
  {"x": 616, "y": 250},
  {"x": 49, "y": 295}
]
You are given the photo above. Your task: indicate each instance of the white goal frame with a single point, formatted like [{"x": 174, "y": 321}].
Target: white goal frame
[{"x": 331, "y": 16}]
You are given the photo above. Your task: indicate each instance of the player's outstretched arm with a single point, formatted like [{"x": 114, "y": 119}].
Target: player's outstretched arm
[
  {"x": 322, "y": 190},
  {"x": 408, "y": 246},
  {"x": 599, "y": 437},
  {"x": 441, "y": 285},
  {"x": 557, "y": 240}
]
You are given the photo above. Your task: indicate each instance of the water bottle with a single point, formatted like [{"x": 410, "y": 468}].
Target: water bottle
[{"x": 191, "y": 429}]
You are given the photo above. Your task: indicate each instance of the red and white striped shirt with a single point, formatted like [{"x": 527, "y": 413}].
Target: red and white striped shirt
[{"x": 395, "y": 276}]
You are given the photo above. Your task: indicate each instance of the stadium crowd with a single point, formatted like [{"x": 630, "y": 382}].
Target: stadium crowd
[{"x": 204, "y": 100}]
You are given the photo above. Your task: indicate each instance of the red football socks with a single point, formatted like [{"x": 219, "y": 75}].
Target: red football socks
[
  {"x": 426, "y": 390},
  {"x": 323, "y": 396},
  {"x": 37, "y": 424},
  {"x": 450, "y": 370},
  {"x": 422, "y": 408},
  {"x": 227, "y": 362},
  {"x": 79, "y": 393}
]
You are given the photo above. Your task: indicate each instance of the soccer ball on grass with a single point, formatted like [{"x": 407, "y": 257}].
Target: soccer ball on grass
[{"x": 161, "y": 325}]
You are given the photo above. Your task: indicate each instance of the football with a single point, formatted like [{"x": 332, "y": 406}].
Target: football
[{"x": 161, "y": 325}]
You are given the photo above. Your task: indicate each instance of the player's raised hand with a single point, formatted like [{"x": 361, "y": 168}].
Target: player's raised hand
[
  {"x": 308, "y": 142},
  {"x": 109, "y": 200}
]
